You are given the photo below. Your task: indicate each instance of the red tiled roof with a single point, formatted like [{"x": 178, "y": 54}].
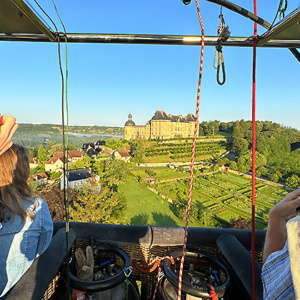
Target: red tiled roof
[
  {"x": 75, "y": 153},
  {"x": 38, "y": 176},
  {"x": 54, "y": 160},
  {"x": 58, "y": 154},
  {"x": 123, "y": 153},
  {"x": 72, "y": 153},
  {"x": 106, "y": 150}
]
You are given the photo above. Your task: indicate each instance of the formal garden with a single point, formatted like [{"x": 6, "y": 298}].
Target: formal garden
[{"x": 217, "y": 198}]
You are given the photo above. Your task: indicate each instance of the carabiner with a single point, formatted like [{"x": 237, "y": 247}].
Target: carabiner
[{"x": 221, "y": 61}]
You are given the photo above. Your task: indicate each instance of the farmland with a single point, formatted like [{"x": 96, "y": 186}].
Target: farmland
[
  {"x": 217, "y": 198},
  {"x": 180, "y": 150}
]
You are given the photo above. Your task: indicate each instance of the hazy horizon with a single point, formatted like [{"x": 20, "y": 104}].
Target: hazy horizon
[{"x": 121, "y": 126}]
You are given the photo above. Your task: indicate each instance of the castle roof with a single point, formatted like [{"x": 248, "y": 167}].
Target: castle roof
[
  {"x": 129, "y": 123},
  {"x": 160, "y": 115},
  {"x": 190, "y": 118}
]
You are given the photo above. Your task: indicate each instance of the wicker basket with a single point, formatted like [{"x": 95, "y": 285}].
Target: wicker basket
[{"x": 144, "y": 253}]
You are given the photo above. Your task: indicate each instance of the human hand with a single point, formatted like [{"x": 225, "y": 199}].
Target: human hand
[
  {"x": 286, "y": 208},
  {"x": 85, "y": 264},
  {"x": 8, "y": 127}
]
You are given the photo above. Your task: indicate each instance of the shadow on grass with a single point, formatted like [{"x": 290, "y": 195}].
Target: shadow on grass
[
  {"x": 141, "y": 219},
  {"x": 163, "y": 220}
]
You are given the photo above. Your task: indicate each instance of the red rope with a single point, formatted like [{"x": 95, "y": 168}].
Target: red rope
[
  {"x": 193, "y": 154},
  {"x": 160, "y": 274},
  {"x": 253, "y": 155}
]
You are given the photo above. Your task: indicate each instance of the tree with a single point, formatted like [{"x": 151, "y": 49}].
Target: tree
[
  {"x": 112, "y": 173},
  {"x": 208, "y": 129},
  {"x": 137, "y": 151},
  {"x": 293, "y": 181},
  {"x": 107, "y": 206},
  {"x": 223, "y": 126},
  {"x": 233, "y": 166},
  {"x": 239, "y": 145},
  {"x": 240, "y": 223},
  {"x": 246, "y": 159},
  {"x": 200, "y": 131},
  {"x": 242, "y": 168},
  {"x": 273, "y": 177},
  {"x": 54, "y": 197},
  {"x": 33, "y": 184},
  {"x": 55, "y": 175},
  {"x": 38, "y": 169},
  {"x": 226, "y": 161},
  {"x": 220, "y": 161},
  {"x": 85, "y": 162},
  {"x": 262, "y": 170},
  {"x": 42, "y": 154},
  {"x": 32, "y": 152},
  {"x": 53, "y": 147}
]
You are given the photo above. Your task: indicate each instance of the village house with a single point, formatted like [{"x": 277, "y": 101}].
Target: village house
[
  {"x": 40, "y": 178},
  {"x": 55, "y": 164},
  {"x": 78, "y": 178},
  {"x": 93, "y": 148},
  {"x": 120, "y": 154},
  {"x": 89, "y": 148},
  {"x": 73, "y": 155},
  {"x": 105, "y": 153},
  {"x": 33, "y": 162}
]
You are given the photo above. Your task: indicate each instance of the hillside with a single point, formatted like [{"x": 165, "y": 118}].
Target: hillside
[{"x": 34, "y": 135}]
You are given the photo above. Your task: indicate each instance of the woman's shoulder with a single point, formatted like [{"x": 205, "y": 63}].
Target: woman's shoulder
[
  {"x": 39, "y": 209},
  {"x": 35, "y": 204}
]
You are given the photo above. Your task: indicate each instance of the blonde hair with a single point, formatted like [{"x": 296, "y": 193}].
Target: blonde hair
[{"x": 14, "y": 172}]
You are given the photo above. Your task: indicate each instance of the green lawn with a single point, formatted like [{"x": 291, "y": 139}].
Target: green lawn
[
  {"x": 224, "y": 195},
  {"x": 161, "y": 173},
  {"x": 146, "y": 208}
]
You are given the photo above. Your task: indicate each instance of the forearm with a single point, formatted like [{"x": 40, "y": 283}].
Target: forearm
[
  {"x": 276, "y": 236},
  {"x": 279, "y": 215}
]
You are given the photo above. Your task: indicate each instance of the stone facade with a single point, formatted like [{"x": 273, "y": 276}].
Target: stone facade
[{"x": 161, "y": 126}]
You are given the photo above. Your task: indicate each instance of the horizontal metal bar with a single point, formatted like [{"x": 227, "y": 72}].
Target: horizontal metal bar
[{"x": 149, "y": 39}]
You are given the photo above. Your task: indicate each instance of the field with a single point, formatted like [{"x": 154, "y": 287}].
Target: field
[
  {"x": 220, "y": 196},
  {"x": 146, "y": 208},
  {"x": 180, "y": 150}
]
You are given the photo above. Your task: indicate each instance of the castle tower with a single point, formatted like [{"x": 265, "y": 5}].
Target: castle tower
[
  {"x": 129, "y": 122},
  {"x": 129, "y": 128}
]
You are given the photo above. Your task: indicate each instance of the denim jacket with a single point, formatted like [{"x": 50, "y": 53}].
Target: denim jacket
[{"x": 21, "y": 243}]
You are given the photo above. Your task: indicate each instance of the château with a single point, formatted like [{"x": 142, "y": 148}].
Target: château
[{"x": 161, "y": 125}]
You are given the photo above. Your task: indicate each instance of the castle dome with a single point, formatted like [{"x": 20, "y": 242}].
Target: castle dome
[{"x": 129, "y": 122}]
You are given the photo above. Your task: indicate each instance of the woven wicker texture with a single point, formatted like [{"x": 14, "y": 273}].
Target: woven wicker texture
[{"x": 143, "y": 253}]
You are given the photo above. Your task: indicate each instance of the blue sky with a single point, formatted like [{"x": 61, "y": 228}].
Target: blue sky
[{"x": 109, "y": 81}]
